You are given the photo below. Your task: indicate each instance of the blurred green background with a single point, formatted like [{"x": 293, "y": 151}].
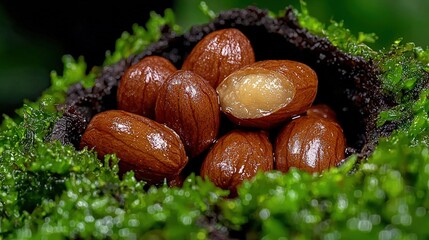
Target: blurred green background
[{"x": 34, "y": 37}]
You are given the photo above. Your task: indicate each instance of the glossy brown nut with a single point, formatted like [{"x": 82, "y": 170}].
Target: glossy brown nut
[
  {"x": 323, "y": 111},
  {"x": 267, "y": 93},
  {"x": 309, "y": 143},
  {"x": 188, "y": 104},
  {"x": 140, "y": 83},
  {"x": 219, "y": 54},
  {"x": 177, "y": 181},
  {"x": 153, "y": 151},
  {"x": 237, "y": 156}
]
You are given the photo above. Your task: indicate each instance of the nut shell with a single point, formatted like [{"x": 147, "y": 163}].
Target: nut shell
[
  {"x": 323, "y": 111},
  {"x": 309, "y": 143},
  {"x": 219, "y": 54},
  {"x": 153, "y": 151},
  {"x": 189, "y": 105},
  {"x": 297, "y": 78},
  {"x": 236, "y": 156},
  {"x": 140, "y": 83}
]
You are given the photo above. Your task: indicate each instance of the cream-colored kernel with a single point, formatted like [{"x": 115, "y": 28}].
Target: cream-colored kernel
[{"x": 254, "y": 93}]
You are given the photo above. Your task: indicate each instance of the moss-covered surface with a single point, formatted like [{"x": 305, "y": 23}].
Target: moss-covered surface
[{"x": 49, "y": 190}]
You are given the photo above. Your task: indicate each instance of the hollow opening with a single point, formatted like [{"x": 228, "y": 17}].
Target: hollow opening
[{"x": 348, "y": 84}]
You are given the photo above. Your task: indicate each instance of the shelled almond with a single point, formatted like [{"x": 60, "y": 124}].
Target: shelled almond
[
  {"x": 237, "y": 156},
  {"x": 310, "y": 143},
  {"x": 219, "y": 54},
  {"x": 188, "y": 105},
  {"x": 139, "y": 85},
  {"x": 152, "y": 150},
  {"x": 267, "y": 93}
]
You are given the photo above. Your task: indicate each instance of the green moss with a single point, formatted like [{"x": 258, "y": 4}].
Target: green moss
[
  {"x": 399, "y": 78},
  {"x": 337, "y": 34},
  {"x": 404, "y": 76},
  {"x": 387, "y": 196},
  {"x": 404, "y": 67},
  {"x": 51, "y": 191}
]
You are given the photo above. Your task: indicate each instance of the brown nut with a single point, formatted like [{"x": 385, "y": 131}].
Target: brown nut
[
  {"x": 139, "y": 85},
  {"x": 236, "y": 156},
  {"x": 177, "y": 181},
  {"x": 309, "y": 143},
  {"x": 267, "y": 93},
  {"x": 189, "y": 105},
  {"x": 153, "y": 151},
  {"x": 218, "y": 54},
  {"x": 322, "y": 110}
]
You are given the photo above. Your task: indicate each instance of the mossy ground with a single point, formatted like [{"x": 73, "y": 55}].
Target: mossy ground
[{"x": 49, "y": 190}]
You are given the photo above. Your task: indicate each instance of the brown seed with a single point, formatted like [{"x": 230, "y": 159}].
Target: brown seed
[
  {"x": 139, "y": 85},
  {"x": 219, "y": 54},
  {"x": 153, "y": 151},
  {"x": 323, "y": 111},
  {"x": 236, "y": 156},
  {"x": 267, "y": 93},
  {"x": 189, "y": 105},
  {"x": 309, "y": 143},
  {"x": 177, "y": 181}
]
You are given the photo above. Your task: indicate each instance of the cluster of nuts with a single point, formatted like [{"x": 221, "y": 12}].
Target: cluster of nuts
[{"x": 168, "y": 118}]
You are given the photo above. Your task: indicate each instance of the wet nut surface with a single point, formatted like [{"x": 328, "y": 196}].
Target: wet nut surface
[
  {"x": 219, "y": 54},
  {"x": 189, "y": 105},
  {"x": 152, "y": 150},
  {"x": 267, "y": 93},
  {"x": 139, "y": 85},
  {"x": 236, "y": 156},
  {"x": 309, "y": 143},
  {"x": 323, "y": 111}
]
